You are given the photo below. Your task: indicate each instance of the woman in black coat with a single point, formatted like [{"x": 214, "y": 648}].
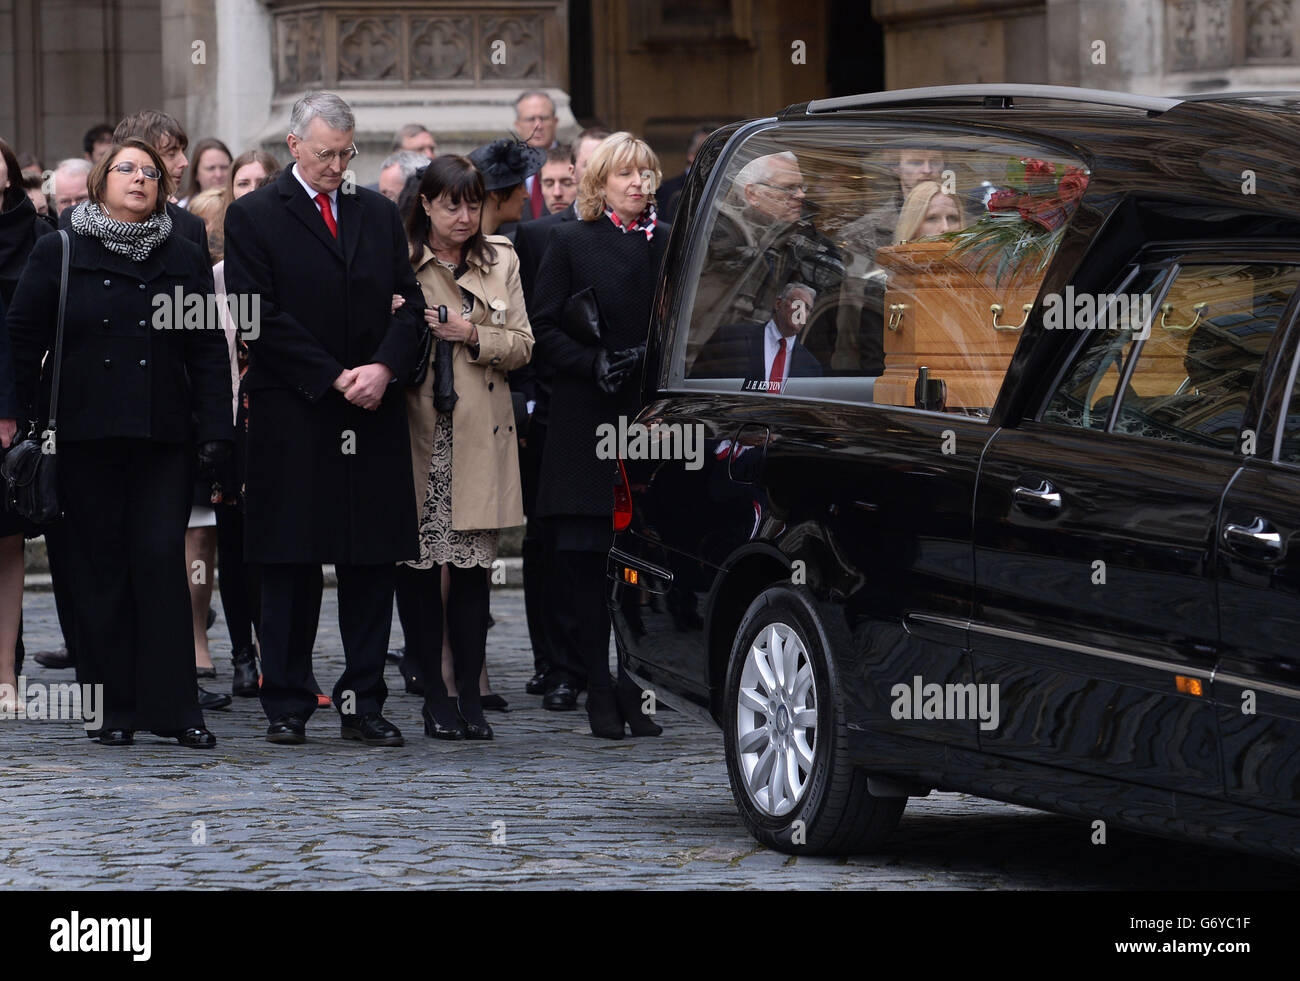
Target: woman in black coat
[
  {"x": 143, "y": 381},
  {"x": 616, "y": 249},
  {"x": 20, "y": 228}
]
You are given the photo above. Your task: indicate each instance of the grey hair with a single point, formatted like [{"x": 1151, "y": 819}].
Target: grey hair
[
  {"x": 408, "y": 160},
  {"x": 336, "y": 113},
  {"x": 759, "y": 170},
  {"x": 72, "y": 165},
  {"x": 795, "y": 284},
  {"x": 534, "y": 94}
]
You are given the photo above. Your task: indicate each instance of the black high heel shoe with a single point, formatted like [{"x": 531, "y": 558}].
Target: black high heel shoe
[
  {"x": 628, "y": 696},
  {"x": 116, "y": 737},
  {"x": 437, "y": 729},
  {"x": 476, "y": 727}
]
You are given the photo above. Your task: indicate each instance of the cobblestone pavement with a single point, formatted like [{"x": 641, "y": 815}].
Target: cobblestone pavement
[{"x": 569, "y": 811}]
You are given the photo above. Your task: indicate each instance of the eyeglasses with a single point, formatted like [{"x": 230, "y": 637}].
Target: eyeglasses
[
  {"x": 534, "y": 120},
  {"x": 328, "y": 156},
  {"x": 130, "y": 167},
  {"x": 789, "y": 191}
]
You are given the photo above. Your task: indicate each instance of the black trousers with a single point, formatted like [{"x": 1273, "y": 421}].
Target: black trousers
[
  {"x": 126, "y": 504},
  {"x": 538, "y": 554},
  {"x": 410, "y": 588},
  {"x": 466, "y": 614},
  {"x": 581, "y": 618},
  {"x": 237, "y": 581},
  {"x": 56, "y": 551},
  {"x": 291, "y": 596}
]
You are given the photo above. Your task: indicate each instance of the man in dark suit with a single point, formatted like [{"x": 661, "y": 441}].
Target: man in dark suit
[
  {"x": 671, "y": 189},
  {"x": 764, "y": 357},
  {"x": 328, "y": 470}
]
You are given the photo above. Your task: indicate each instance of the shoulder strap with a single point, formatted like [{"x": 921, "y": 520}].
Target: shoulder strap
[{"x": 58, "y": 333}]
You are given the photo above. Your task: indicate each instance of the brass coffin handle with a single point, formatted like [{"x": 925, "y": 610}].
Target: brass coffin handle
[
  {"x": 1167, "y": 308},
  {"x": 996, "y": 309},
  {"x": 896, "y": 315}
]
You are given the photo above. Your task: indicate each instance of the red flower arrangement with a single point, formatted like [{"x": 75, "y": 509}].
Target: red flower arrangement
[{"x": 1024, "y": 221}]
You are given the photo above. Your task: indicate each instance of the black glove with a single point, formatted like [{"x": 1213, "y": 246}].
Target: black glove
[
  {"x": 212, "y": 455},
  {"x": 609, "y": 375}
]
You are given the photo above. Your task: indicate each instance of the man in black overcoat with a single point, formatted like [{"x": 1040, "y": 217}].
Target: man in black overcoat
[{"x": 328, "y": 475}]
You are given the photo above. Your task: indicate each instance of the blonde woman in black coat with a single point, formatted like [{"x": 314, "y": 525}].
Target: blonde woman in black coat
[{"x": 616, "y": 248}]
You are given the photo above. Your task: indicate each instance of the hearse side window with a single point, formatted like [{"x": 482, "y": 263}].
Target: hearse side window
[
  {"x": 1207, "y": 343},
  {"x": 1112, "y": 324},
  {"x": 1289, "y": 450},
  {"x": 846, "y": 264}
]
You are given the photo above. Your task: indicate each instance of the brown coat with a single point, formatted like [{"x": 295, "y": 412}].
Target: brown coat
[{"x": 485, "y": 490}]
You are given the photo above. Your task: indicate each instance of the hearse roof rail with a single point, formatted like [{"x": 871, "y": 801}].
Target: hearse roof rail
[{"x": 994, "y": 96}]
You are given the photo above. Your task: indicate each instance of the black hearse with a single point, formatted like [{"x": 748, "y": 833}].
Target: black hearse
[{"x": 997, "y": 485}]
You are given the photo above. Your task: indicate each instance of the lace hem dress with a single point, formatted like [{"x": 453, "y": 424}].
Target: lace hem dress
[{"x": 440, "y": 544}]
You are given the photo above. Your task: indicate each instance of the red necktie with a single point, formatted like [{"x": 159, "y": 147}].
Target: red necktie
[
  {"x": 323, "y": 202},
  {"x": 539, "y": 203},
  {"x": 778, "y": 369}
]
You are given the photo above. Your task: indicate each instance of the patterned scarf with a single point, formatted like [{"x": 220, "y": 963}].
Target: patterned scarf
[
  {"x": 130, "y": 238},
  {"x": 645, "y": 223}
]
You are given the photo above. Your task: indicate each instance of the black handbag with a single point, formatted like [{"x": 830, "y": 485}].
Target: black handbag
[
  {"x": 581, "y": 317},
  {"x": 28, "y": 467},
  {"x": 420, "y": 371},
  {"x": 444, "y": 376}
]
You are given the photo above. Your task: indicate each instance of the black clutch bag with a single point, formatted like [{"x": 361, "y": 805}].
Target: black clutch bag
[
  {"x": 28, "y": 468},
  {"x": 420, "y": 370},
  {"x": 444, "y": 378},
  {"x": 581, "y": 317}
]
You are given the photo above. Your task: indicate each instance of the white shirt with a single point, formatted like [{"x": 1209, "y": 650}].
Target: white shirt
[
  {"x": 312, "y": 192},
  {"x": 772, "y": 344}
]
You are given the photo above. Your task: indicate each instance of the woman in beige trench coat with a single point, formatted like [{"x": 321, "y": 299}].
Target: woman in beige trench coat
[{"x": 465, "y": 461}]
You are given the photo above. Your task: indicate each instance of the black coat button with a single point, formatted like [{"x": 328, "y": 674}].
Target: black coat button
[
  {"x": 108, "y": 362},
  {"x": 108, "y": 282},
  {"x": 489, "y": 386},
  {"x": 142, "y": 323},
  {"x": 142, "y": 286},
  {"x": 495, "y": 428},
  {"x": 144, "y": 363}
]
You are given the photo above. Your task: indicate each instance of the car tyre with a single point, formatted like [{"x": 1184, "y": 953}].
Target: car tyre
[{"x": 786, "y": 738}]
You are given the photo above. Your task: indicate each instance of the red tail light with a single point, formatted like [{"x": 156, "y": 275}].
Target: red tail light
[{"x": 622, "y": 500}]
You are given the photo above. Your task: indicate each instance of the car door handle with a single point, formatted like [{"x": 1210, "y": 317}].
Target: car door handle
[
  {"x": 1256, "y": 538},
  {"x": 1042, "y": 496}
]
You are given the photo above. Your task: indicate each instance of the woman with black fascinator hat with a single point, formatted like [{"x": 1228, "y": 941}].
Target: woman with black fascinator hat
[{"x": 505, "y": 166}]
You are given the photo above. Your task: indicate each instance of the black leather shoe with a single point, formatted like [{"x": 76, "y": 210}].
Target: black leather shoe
[
  {"x": 212, "y": 617},
  {"x": 287, "y": 729},
  {"x": 476, "y": 727},
  {"x": 204, "y": 673},
  {"x": 562, "y": 698},
  {"x": 209, "y": 700},
  {"x": 372, "y": 729},
  {"x": 192, "y": 737},
  {"x": 244, "y": 681},
  {"x": 494, "y": 702},
  {"x": 631, "y": 705},
  {"x": 56, "y": 660},
  {"x": 410, "y": 675},
  {"x": 540, "y": 683},
  {"x": 450, "y": 728},
  {"x": 116, "y": 737}
]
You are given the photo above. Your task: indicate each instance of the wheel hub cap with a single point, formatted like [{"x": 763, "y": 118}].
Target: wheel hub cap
[{"x": 776, "y": 720}]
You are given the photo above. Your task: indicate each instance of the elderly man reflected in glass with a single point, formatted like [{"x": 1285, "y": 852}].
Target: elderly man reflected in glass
[{"x": 763, "y": 240}]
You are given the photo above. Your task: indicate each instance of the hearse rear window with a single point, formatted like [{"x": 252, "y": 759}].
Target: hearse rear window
[{"x": 863, "y": 265}]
